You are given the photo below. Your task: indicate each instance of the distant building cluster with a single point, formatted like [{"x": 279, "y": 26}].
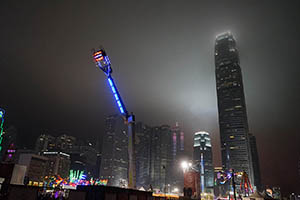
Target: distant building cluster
[
  {"x": 52, "y": 156},
  {"x": 158, "y": 153}
]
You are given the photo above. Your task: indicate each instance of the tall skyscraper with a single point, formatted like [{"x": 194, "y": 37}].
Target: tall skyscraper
[
  {"x": 233, "y": 123},
  {"x": 114, "y": 162},
  {"x": 202, "y": 157}
]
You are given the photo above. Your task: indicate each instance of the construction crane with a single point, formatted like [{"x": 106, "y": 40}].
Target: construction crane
[{"x": 102, "y": 61}]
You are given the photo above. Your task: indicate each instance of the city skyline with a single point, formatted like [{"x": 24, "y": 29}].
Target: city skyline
[{"x": 163, "y": 64}]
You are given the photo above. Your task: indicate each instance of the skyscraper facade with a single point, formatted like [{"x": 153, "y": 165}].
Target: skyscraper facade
[
  {"x": 255, "y": 162},
  {"x": 143, "y": 144},
  {"x": 202, "y": 158},
  {"x": 177, "y": 156},
  {"x": 160, "y": 157},
  {"x": 158, "y": 152},
  {"x": 233, "y": 123},
  {"x": 114, "y": 162}
]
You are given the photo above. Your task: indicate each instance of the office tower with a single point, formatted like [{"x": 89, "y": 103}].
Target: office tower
[
  {"x": 99, "y": 156},
  {"x": 65, "y": 143},
  {"x": 142, "y": 148},
  {"x": 84, "y": 158},
  {"x": 255, "y": 162},
  {"x": 177, "y": 156},
  {"x": 202, "y": 157},
  {"x": 36, "y": 166},
  {"x": 161, "y": 158},
  {"x": 58, "y": 163},
  {"x": 47, "y": 141},
  {"x": 114, "y": 162},
  {"x": 233, "y": 123}
]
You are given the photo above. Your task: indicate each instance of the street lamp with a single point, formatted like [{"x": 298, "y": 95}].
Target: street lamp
[{"x": 186, "y": 165}]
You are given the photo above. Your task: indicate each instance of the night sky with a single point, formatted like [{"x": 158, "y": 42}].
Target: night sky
[{"x": 162, "y": 54}]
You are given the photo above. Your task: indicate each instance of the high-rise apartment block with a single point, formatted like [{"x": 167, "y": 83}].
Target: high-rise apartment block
[
  {"x": 161, "y": 157},
  {"x": 202, "y": 157},
  {"x": 114, "y": 162},
  {"x": 233, "y": 123},
  {"x": 142, "y": 147}
]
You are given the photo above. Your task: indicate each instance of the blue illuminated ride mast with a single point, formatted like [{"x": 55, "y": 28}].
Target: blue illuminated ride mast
[{"x": 102, "y": 61}]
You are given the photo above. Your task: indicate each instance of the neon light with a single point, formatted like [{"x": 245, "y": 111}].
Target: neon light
[
  {"x": 119, "y": 103},
  {"x": 110, "y": 82},
  {"x": 114, "y": 90},
  {"x": 202, "y": 172},
  {"x": 117, "y": 97}
]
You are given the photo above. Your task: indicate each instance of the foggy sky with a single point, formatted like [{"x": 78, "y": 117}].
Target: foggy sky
[{"x": 162, "y": 54}]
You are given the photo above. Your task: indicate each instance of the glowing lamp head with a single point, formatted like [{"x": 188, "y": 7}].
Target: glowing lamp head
[
  {"x": 184, "y": 165},
  {"x": 102, "y": 61},
  {"x": 1, "y": 114}
]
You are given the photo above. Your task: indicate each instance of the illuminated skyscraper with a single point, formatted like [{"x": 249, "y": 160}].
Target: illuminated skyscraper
[
  {"x": 233, "y": 123},
  {"x": 202, "y": 157}
]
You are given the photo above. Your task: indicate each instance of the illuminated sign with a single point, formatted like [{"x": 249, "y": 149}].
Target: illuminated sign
[{"x": 76, "y": 175}]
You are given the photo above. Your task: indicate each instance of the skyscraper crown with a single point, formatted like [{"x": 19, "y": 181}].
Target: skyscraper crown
[{"x": 224, "y": 35}]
